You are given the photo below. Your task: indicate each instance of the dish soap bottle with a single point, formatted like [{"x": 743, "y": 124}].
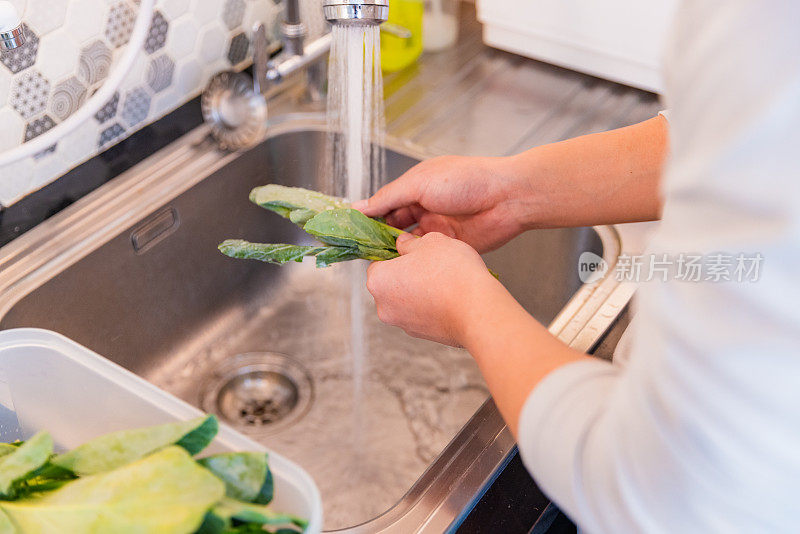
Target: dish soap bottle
[{"x": 401, "y": 35}]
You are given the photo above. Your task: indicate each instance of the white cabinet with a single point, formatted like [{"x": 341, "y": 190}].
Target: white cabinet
[{"x": 620, "y": 40}]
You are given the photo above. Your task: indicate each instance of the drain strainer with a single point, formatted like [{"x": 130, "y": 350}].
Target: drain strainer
[{"x": 258, "y": 392}]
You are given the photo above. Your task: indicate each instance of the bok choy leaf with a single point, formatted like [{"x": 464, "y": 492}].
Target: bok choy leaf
[
  {"x": 295, "y": 203},
  {"x": 246, "y": 475},
  {"x": 346, "y": 233},
  {"x": 164, "y": 493},
  {"x": 281, "y": 254},
  {"x": 24, "y": 461},
  {"x": 119, "y": 448}
]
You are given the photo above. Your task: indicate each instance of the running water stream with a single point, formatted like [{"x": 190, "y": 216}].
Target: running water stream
[
  {"x": 355, "y": 111},
  {"x": 358, "y": 163}
]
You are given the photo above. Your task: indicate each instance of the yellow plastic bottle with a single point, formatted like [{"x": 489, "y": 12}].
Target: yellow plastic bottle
[{"x": 397, "y": 52}]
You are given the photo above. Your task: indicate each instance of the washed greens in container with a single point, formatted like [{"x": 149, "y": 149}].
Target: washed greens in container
[{"x": 141, "y": 480}]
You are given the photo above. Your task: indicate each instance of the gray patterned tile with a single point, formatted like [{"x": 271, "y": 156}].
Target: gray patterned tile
[
  {"x": 135, "y": 107},
  {"x": 237, "y": 52},
  {"x": 24, "y": 56},
  {"x": 36, "y": 128},
  {"x": 67, "y": 97},
  {"x": 233, "y": 13},
  {"x": 109, "y": 135},
  {"x": 157, "y": 35},
  {"x": 29, "y": 93},
  {"x": 109, "y": 109},
  {"x": 119, "y": 24},
  {"x": 94, "y": 63},
  {"x": 159, "y": 73}
]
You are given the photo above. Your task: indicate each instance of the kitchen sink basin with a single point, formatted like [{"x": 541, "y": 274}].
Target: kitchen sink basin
[{"x": 133, "y": 272}]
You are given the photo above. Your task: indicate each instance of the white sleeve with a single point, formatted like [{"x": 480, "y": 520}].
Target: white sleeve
[
  {"x": 572, "y": 400},
  {"x": 700, "y": 431}
]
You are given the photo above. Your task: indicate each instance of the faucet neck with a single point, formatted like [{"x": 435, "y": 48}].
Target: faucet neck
[{"x": 292, "y": 29}]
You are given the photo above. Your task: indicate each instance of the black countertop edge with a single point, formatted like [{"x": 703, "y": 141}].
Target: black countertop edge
[
  {"x": 512, "y": 503},
  {"x": 40, "y": 205}
]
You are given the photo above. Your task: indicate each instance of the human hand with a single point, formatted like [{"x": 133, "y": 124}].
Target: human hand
[
  {"x": 430, "y": 289},
  {"x": 480, "y": 201}
]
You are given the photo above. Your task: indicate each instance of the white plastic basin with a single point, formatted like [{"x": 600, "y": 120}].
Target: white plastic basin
[{"x": 76, "y": 395}]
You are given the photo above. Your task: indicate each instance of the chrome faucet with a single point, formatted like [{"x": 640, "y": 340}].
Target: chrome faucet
[
  {"x": 11, "y": 33},
  {"x": 296, "y": 54},
  {"x": 236, "y": 106}
]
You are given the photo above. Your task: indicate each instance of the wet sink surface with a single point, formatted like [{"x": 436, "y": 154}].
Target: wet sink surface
[{"x": 159, "y": 299}]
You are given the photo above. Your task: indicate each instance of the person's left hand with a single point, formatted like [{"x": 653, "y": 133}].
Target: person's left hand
[{"x": 430, "y": 289}]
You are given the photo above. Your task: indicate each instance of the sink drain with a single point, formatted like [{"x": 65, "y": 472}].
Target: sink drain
[{"x": 258, "y": 393}]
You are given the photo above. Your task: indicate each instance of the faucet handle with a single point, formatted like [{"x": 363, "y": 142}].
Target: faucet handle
[{"x": 396, "y": 30}]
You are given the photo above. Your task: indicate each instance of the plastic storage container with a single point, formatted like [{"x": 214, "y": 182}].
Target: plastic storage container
[{"x": 64, "y": 388}]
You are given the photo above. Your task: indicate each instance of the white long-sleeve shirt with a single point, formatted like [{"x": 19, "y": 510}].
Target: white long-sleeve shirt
[{"x": 700, "y": 431}]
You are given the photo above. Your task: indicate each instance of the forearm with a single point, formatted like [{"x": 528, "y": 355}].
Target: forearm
[
  {"x": 603, "y": 178},
  {"x": 513, "y": 351}
]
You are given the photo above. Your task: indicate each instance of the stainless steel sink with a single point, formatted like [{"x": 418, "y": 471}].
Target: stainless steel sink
[{"x": 132, "y": 272}]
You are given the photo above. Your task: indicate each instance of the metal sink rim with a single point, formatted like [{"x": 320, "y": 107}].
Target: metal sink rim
[{"x": 457, "y": 478}]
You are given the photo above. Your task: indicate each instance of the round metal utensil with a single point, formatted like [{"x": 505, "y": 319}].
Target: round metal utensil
[{"x": 236, "y": 112}]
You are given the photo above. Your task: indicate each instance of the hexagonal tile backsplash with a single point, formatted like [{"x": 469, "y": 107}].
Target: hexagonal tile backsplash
[{"x": 73, "y": 45}]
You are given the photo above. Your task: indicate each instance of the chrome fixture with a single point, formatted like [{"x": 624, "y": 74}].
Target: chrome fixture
[
  {"x": 236, "y": 106},
  {"x": 356, "y": 12},
  {"x": 235, "y": 111},
  {"x": 11, "y": 33}
]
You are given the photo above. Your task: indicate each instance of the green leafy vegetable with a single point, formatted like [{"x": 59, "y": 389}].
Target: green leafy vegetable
[
  {"x": 119, "y": 448},
  {"x": 246, "y": 475},
  {"x": 350, "y": 228},
  {"x": 164, "y": 493},
  {"x": 24, "y": 461},
  {"x": 138, "y": 481},
  {"x": 7, "y": 448},
  {"x": 231, "y": 516},
  {"x": 281, "y": 254},
  {"x": 347, "y": 233},
  {"x": 48, "y": 477},
  {"x": 295, "y": 203},
  {"x": 231, "y": 509},
  {"x": 199, "y": 438},
  {"x": 6, "y": 526}
]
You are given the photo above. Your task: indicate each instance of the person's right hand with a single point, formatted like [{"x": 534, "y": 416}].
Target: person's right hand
[{"x": 476, "y": 200}]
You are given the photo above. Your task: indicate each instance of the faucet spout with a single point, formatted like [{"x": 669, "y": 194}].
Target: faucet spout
[{"x": 370, "y": 12}]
